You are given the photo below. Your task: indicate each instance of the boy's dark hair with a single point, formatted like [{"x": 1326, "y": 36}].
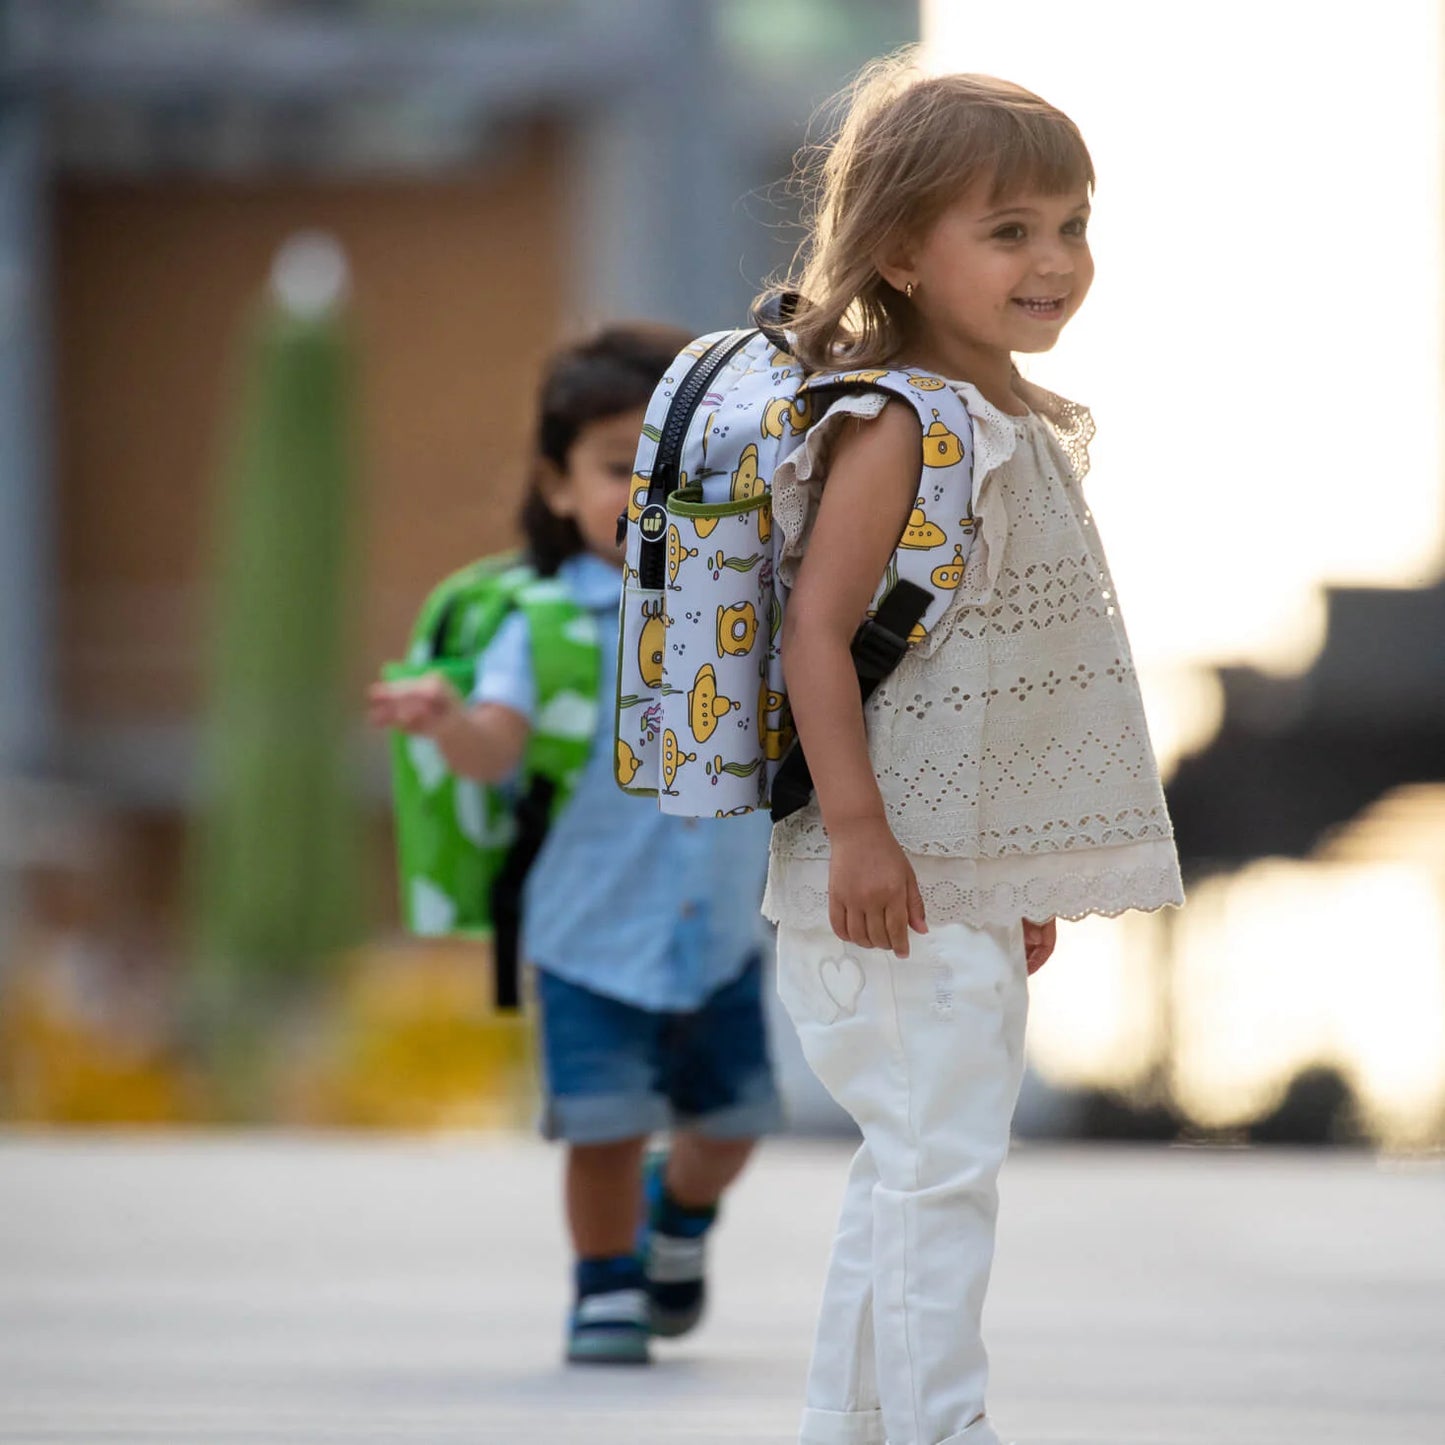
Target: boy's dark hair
[{"x": 613, "y": 371}]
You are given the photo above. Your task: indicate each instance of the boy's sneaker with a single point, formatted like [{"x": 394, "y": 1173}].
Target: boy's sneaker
[
  {"x": 673, "y": 1246},
  {"x": 610, "y": 1321}
]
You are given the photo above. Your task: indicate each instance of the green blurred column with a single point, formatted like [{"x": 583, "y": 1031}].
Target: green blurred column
[{"x": 277, "y": 881}]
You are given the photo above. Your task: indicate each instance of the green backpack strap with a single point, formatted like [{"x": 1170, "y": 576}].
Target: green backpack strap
[{"x": 567, "y": 670}]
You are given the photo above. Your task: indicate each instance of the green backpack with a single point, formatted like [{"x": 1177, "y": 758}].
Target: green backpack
[{"x": 464, "y": 847}]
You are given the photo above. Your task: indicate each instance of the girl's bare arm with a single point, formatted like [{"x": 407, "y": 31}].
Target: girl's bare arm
[{"x": 872, "y": 480}]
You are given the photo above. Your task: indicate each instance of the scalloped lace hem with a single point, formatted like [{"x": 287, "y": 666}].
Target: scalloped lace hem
[{"x": 991, "y": 892}]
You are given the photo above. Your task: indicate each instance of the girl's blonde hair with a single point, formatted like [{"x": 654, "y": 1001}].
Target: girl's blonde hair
[{"x": 908, "y": 145}]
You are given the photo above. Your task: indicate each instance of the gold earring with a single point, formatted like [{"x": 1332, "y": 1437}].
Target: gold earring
[{"x": 908, "y": 290}]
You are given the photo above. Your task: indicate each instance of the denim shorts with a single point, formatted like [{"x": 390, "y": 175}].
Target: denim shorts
[{"x": 614, "y": 1071}]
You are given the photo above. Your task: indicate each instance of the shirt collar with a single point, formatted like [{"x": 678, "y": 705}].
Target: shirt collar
[{"x": 591, "y": 581}]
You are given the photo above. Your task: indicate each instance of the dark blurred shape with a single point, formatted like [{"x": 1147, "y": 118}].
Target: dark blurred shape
[
  {"x": 1296, "y": 757},
  {"x": 278, "y": 873},
  {"x": 1318, "y": 1108},
  {"x": 1106, "y": 1115}
]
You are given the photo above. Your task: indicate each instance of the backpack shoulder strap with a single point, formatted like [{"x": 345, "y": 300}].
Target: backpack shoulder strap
[
  {"x": 927, "y": 566},
  {"x": 567, "y": 668}
]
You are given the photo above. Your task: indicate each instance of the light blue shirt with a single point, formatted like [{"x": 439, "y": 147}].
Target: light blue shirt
[{"x": 626, "y": 900}]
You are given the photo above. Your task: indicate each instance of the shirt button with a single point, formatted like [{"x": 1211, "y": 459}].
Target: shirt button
[{"x": 688, "y": 909}]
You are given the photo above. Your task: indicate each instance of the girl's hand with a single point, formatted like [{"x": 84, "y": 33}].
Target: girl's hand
[
  {"x": 423, "y": 705},
  {"x": 873, "y": 897},
  {"x": 1039, "y": 940}
]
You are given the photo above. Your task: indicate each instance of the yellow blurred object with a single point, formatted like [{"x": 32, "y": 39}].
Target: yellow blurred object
[
  {"x": 412, "y": 1040},
  {"x": 62, "y": 1062}
]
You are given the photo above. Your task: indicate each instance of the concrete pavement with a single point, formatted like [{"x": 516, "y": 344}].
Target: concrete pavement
[{"x": 256, "y": 1289}]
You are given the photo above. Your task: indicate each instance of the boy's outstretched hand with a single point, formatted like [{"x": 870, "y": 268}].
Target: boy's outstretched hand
[
  {"x": 422, "y": 705},
  {"x": 1039, "y": 940}
]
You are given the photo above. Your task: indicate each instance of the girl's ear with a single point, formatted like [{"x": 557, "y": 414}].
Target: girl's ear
[
  {"x": 555, "y": 488},
  {"x": 894, "y": 261}
]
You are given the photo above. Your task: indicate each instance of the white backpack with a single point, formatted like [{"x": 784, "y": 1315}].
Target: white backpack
[{"x": 703, "y": 721}]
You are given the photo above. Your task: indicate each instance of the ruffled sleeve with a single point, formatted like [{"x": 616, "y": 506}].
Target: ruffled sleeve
[{"x": 798, "y": 481}]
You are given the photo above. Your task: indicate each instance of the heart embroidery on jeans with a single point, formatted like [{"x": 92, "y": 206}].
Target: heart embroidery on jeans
[{"x": 842, "y": 980}]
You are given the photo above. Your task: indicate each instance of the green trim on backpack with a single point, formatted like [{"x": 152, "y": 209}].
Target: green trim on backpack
[{"x": 454, "y": 834}]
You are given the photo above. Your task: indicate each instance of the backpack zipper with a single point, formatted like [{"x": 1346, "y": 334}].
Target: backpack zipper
[{"x": 651, "y": 562}]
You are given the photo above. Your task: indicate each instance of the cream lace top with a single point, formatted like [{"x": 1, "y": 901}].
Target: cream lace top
[{"x": 1010, "y": 746}]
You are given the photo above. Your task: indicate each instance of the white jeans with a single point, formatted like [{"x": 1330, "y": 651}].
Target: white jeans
[{"x": 927, "y": 1054}]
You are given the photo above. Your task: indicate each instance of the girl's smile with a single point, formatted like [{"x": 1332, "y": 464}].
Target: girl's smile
[{"x": 1049, "y": 308}]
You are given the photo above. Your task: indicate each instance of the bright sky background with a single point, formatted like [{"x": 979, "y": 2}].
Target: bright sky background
[
  {"x": 1262, "y": 351},
  {"x": 1262, "y": 348}
]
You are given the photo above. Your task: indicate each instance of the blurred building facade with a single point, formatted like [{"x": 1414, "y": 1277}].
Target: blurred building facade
[
  {"x": 501, "y": 174},
  {"x": 504, "y": 173}
]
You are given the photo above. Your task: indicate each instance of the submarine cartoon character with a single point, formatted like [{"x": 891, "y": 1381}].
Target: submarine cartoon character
[
  {"x": 650, "y": 644},
  {"x": 705, "y": 704},
  {"x": 737, "y": 626},
  {"x": 795, "y": 413},
  {"x": 746, "y": 481},
  {"x": 746, "y": 484},
  {"x": 673, "y": 759},
  {"x": 677, "y": 554},
  {"x": 637, "y": 497},
  {"x": 920, "y": 534},
  {"x": 627, "y": 762},
  {"x": 948, "y": 575},
  {"x": 775, "y": 729},
  {"x": 941, "y": 447},
  {"x": 927, "y": 383}
]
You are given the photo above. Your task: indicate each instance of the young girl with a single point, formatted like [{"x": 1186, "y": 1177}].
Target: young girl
[
  {"x": 1000, "y": 778},
  {"x": 641, "y": 928}
]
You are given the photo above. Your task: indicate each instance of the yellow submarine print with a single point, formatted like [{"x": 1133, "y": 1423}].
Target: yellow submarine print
[
  {"x": 921, "y": 534},
  {"x": 637, "y": 500},
  {"x": 927, "y": 383},
  {"x": 627, "y": 762},
  {"x": 941, "y": 447},
  {"x": 949, "y": 574},
  {"x": 748, "y": 484},
  {"x": 746, "y": 481},
  {"x": 673, "y": 759},
  {"x": 737, "y": 627},
  {"x": 650, "y": 645},
  {"x": 796, "y": 412},
  {"x": 776, "y": 740},
  {"x": 677, "y": 554},
  {"x": 705, "y": 704},
  {"x": 860, "y": 378}
]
